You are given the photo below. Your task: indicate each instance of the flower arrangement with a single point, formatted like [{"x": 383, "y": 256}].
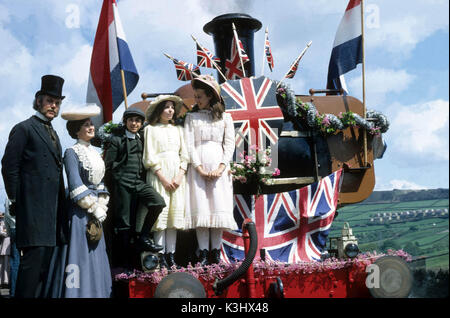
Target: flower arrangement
[
  {"x": 219, "y": 271},
  {"x": 106, "y": 130},
  {"x": 254, "y": 168},
  {"x": 328, "y": 123}
]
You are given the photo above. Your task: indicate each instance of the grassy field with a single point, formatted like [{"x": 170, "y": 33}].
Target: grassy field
[{"x": 423, "y": 237}]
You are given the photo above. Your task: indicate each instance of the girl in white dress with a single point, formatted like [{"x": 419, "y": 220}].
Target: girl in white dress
[
  {"x": 166, "y": 159},
  {"x": 209, "y": 134}
]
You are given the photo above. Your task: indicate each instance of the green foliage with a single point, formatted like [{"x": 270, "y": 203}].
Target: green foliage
[{"x": 427, "y": 237}]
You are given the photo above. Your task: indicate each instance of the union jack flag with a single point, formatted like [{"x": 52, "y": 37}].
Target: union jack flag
[
  {"x": 253, "y": 106},
  {"x": 293, "y": 69},
  {"x": 185, "y": 70},
  {"x": 268, "y": 51},
  {"x": 205, "y": 57},
  {"x": 233, "y": 65},
  {"x": 291, "y": 226}
]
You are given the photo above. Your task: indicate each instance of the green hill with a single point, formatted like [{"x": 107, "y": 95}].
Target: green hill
[{"x": 415, "y": 221}]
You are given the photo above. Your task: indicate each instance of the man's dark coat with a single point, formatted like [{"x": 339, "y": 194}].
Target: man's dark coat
[{"x": 32, "y": 171}]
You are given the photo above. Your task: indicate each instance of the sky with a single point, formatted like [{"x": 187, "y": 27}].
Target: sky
[{"x": 406, "y": 48}]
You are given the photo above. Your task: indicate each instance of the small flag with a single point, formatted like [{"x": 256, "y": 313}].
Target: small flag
[
  {"x": 347, "y": 46},
  {"x": 293, "y": 69},
  {"x": 205, "y": 57},
  {"x": 110, "y": 55},
  {"x": 184, "y": 70},
  {"x": 268, "y": 51},
  {"x": 233, "y": 65},
  {"x": 240, "y": 48}
]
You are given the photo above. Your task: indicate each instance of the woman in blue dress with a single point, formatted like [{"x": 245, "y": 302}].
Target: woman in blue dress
[{"x": 87, "y": 270}]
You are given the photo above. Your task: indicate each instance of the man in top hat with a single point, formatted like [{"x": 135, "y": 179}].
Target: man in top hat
[
  {"x": 125, "y": 175},
  {"x": 32, "y": 171}
]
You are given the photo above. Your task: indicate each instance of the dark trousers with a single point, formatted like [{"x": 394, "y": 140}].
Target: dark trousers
[
  {"x": 126, "y": 205},
  {"x": 14, "y": 261},
  {"x": 33, "y": 272}
]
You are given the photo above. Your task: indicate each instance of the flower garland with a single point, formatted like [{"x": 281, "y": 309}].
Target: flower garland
[
  {"x": 106, "y": 131},
  {"x": 253, "y": 168},
  {"x": 329, "y": 123},
  {"x": 219, "y": 271}
]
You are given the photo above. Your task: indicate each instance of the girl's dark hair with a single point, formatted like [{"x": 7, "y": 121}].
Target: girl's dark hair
[
  {"x": 156, "y": 114},
  {"x": 74, "y": 126},
  {"x": 217, "y": 107}
]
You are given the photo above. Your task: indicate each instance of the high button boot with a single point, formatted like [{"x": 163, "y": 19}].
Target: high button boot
[
  {"x": 170, "y": 258},
  {"x": 203, "y": 258},
  {"x": 215, "y": 256},
  {"x": 162, "y": 261}
]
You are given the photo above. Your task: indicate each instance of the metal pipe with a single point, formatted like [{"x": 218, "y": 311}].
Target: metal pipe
[
  {"x": 251, "y": 283},
  {"x": 220, "y": 286}
]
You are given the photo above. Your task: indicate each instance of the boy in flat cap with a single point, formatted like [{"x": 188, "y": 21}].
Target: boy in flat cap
[
  {"x": 126, "y": 174},
  {"x": 32, "y": 171}
]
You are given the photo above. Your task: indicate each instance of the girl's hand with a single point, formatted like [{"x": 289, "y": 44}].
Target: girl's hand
[
  {"x": 202, "y": 172},
  {"x": 178, "y": 179},
  {"x": 217, "y": 173},
  {"x": 168, "y": 185}
]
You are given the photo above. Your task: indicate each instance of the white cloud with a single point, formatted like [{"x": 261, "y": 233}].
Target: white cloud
[
  {"x": 403, "y": 24},
  {"x": 379, "y": 83},
  {"x": 80, "y": 61},
  {"x": 399, "y": 185},
  {"x": 421, "y": 130}
]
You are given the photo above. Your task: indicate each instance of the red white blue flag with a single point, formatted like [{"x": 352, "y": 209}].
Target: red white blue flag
[
  {"x": 347, "y": 46},
  {"x": 233, "y": 65},
  {"x": 184, "y": 70},
  {"x": 110, "y": 55},
  {"x": 205, "y": 57},
  {"x": 268, "y": 52},
  {"x": 291, "y": 226},
  {"x": 253, "y": 106},
  {"x": 293, "y": 69}
]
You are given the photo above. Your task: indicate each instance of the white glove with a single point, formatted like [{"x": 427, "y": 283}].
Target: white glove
[
  {"x": 103, "y": 199},
  {"x": 100, "y": 213}
]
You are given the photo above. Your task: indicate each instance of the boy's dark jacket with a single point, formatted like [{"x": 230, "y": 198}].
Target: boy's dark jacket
[{"x": 116, "y": 154}]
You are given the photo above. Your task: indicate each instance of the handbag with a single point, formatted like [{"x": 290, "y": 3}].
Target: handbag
[{"x": 94, "y": 229}]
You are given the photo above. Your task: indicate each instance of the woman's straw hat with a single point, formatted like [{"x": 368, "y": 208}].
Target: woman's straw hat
[
  {"x": 162, "y": 98},
  {"x": 79, "y": 113}
]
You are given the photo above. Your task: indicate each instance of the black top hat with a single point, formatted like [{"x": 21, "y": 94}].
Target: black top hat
[{"x": 51, "y": 85}]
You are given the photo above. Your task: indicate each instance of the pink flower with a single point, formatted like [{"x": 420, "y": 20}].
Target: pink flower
[
  {"x": 326, "y": 121},
  {"x": 276, "y": 172}
]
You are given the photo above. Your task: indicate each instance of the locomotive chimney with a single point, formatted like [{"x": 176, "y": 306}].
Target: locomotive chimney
[{"x": 222, "y": 32}]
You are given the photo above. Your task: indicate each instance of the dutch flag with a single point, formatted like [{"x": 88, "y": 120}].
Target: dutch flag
[
  {"x": 347, "y": 47},
  {"x": 110, "y": 55}
]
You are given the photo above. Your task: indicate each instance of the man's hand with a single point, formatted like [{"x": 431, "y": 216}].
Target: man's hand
[{"x": 12, "y": 208}]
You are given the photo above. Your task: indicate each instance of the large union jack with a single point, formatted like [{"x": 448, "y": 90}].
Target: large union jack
[
  {"x": 233, "y": 65},
  {"x": 291, "y": 226},
  {"x": 205, "y": 57},
  {"x": 184, "y": 70},
  {"x": 253, "y": 106}
]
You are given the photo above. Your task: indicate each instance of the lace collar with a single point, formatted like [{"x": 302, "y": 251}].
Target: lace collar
[{"x": 90, "y": 160}]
